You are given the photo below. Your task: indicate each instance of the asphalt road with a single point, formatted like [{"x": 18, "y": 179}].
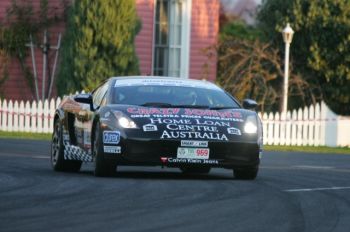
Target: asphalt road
[{"x": 293, "y": 192}]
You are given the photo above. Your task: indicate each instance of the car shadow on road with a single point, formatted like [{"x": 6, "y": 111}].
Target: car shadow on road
[{"x": 160, "y": 175}]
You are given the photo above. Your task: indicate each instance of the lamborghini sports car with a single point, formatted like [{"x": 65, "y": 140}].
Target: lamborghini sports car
[{"x": 188, "y": 124}]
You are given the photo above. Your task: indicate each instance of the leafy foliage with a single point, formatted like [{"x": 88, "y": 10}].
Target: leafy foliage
[
  {"x": 321, "y": 45},
  {"x": 20, "y": 23},
  {"x": 98, "y": 44},
  {"x": 251, "y": 67}
]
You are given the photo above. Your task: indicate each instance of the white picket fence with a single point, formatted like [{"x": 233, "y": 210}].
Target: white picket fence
[
  {"x": 310, "y": 126},
  {"x": 34, "y": 117},
  {"x": 314, "y": 126}
]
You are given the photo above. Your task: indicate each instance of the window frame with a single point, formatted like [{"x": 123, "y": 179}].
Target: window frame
[{"x": 184, "y": 57}]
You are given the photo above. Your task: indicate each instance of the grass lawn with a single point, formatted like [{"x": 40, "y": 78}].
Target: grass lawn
[
  {"x": 24, "y": 135},
  {"x": 310, "y": 149}
]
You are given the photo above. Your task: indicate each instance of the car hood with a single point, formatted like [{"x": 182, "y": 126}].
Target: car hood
[{"x": 184, "y": 123}]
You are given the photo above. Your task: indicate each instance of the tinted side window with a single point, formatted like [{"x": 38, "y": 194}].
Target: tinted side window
[{"x": 99, "y": 94}]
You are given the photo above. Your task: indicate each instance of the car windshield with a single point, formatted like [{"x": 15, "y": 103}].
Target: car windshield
[{"x": 172, "y": 96}]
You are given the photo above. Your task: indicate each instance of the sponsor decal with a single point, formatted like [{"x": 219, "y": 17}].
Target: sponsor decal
[
  {"x": 192, "y": 161},
  {"x": 87, "y": 139},
  {"x": 197, "y": 113},
  {"x": 234, "y": 131},
  {"x": 194, "y": 143},
  {"x": 193, "y": 153},
  {"x": 112, "y": 149},
  {"x": 215, "y": 113},
  {"x": 165, "y": 82},
  {"x": 150, "y": 127},
  {"x": 193, "y": 135},
  {"x": 111, "y": 137},
  {"x": 153, "y": 111}
]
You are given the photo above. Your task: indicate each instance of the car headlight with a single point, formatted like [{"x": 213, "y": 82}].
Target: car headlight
[
  {"x": 250, "y": 126},
  {"x": 124, "y": 121}
]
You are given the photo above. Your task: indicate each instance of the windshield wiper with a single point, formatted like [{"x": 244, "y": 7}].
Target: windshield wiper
[
  {"x": 192, "y": 106},
  {"x": 157, "y": 104},
  {"x": 223, "y": 107},
  {"x": 168, "y": 105}
]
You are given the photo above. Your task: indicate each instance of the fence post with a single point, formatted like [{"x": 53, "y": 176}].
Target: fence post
[
  {"x": 277, "y": 130},
  {"x": 288, "y": 129},
  {"x": 52, "y": 114},
  {"x": 21, "y": 113},
  {"x": 15, "y": 116},
  {"x": 270, "y": 130},
  {"x": 265, "y": 123},
  {"x": 318, "y": 140},
  {"x": 300, "y": 127},
  {"x": 40, "y": 117},
  {"x": 27, "y": 127},
  {"x": 330, "y": 126},
  {"x": 294, "y": 128},
  {"x": 1, "y": 110},
  {"x": 46, "y": 116},
  {"x": 4, "y": 115},
  {"x": 10, "y": 117},
  {"x": 34, "y": 116},
  {"x": 311, "y": 121},
  {"x": 305, "y": 126}
]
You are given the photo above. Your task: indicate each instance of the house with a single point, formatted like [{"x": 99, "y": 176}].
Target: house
[{"x": 171, "y": 42}]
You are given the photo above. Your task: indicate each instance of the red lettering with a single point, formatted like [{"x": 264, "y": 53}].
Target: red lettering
[{"x": 132, "y": 110}]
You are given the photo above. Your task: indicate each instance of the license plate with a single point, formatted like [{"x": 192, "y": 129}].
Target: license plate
[{"x": 192, "y": 153}]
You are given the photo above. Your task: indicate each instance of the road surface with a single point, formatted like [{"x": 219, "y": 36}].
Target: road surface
[{"x": 293, "y": 192}]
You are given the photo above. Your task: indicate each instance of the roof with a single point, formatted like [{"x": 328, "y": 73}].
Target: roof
[{"x": 166, "y": 81}]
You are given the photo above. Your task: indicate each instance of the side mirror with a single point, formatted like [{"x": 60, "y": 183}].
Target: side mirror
[
  {"x": 249, "y": 104},
  {"x": 85, "y": 98}
]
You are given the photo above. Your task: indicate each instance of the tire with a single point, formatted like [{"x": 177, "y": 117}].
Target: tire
[
  {"x": 103, "y": 167},
  {"x": 245, "y": 174},
  {"x": 57, "y": 152},
  {"x": 195, "y": 170}
]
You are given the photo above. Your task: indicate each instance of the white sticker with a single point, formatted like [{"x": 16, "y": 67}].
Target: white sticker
[
  {"x": 165, "y": 82},
  {"x": 234, "y": 131},
  {"x": 192, "y": 153},
  {"x": 150, "y": 127},
  {"x": 193, "y": 143},
  {"x": 112, "y": 149}
]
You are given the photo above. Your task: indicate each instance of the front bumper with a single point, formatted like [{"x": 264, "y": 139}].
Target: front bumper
[{"x": 147, "y": 152}]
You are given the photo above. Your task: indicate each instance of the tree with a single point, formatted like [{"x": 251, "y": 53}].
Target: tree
[
  {"x": 21, "y": 23},
  {"x": 321, "y": 45},
  {"x": 251, "y": 67},
  {"x": 98, "y": 44}
]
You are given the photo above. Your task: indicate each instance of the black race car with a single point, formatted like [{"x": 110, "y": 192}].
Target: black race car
[{"x": 189, "y": 124}]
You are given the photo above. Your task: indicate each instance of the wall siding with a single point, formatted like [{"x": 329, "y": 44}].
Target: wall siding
[
  {"x": 16, "y": 86},
  {"x": 204, "y": 30},
  {"x": 204, "y": 33},
  {"x": 144, "y": 40}
]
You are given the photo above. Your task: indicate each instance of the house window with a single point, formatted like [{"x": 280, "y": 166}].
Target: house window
[{"x": 171, "y": 38}]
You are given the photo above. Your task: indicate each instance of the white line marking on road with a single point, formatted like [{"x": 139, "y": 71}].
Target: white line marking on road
[
  {"x": 25, "y": 156},
  {"x": 40, "y": 157},
  {"x": 312, "y": 167},
  {"x": 315, "y": 189}
]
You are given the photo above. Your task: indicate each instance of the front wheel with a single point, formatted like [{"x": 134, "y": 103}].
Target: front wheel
[
  {"x": 57, "y": 152},
  {"x": 103, "y": 167},
  {"x": 246, "y": 174}
]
